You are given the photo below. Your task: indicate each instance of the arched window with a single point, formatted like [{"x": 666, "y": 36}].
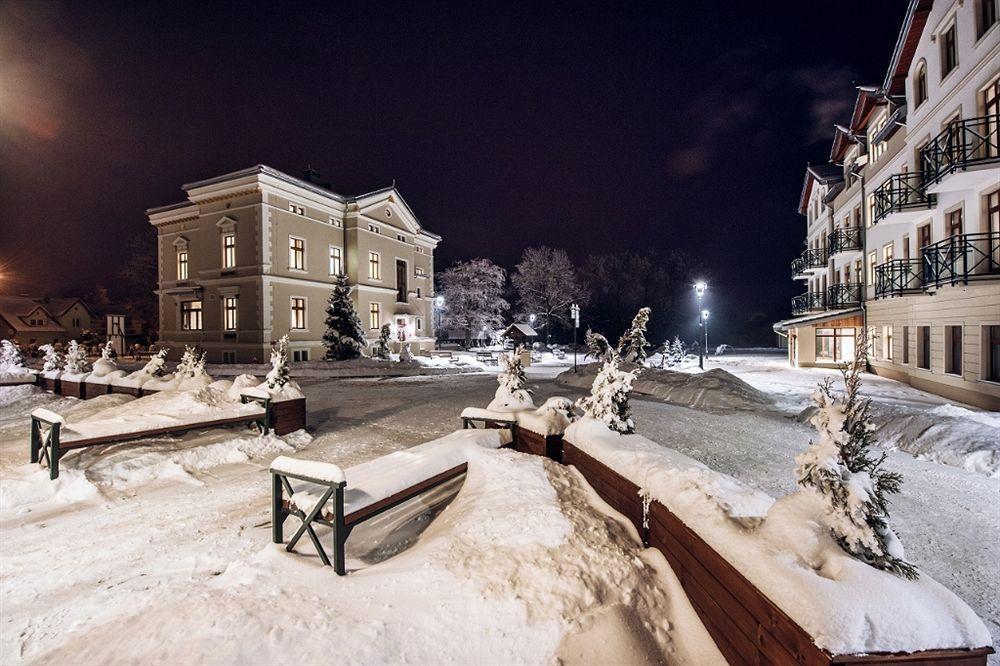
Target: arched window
[{"x": 920, "y": 84}]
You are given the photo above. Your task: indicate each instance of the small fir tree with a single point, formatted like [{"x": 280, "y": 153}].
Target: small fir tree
[
  {"x": 185, "y": 367},
  {"x": 676, "y": 354},
  {"x": 279, "y": 375},
  {"x": 405, "y": 353},
  {"x": 382, "y": 346},
  {"x": 841, "y": 467},
  {"x": 10, "y": 355},
  {"x": 598, "y": 346},
  {"x": 608, "y": 399},
  {"x": 108, "y": 351},
  {"x": 512, "y": 377},
  {"x": 632, "y": 346},
  {"x": 52, "y": 360},
  {"x": 155, "y": 365},
  {"x": 76, "y": 359},
  {"x": 344, "y": 337}
]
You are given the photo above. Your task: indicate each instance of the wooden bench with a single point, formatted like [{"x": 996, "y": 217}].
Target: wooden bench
[
  {"x": 322, "y": 496},
  {"x": 487, "y": 419},
  {"x": 489, "y": 358},
  {"x": 442, "y": 353},
  {"x": 48, "y": 446}
]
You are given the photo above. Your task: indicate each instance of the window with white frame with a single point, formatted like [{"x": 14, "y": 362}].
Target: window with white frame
[
  {"x": 374, "y": 316},
  {"x": 876, "y": 147},
  {"x": 300, "y": 354},
  {"x": 374, "y": 266},
  {"x": 373, "y": 228},
  {"x": 229, "y": 250},
  {"x": 230, "y": 309},
  {"x": 191, "y": 316},
  {"x": 296, "y": 253},
  {"x": 336, "y": 260},
  {"x": 295, "y": 208},
  {"x": 182, "y": 264},
  {"x": 336, "y": 222},
  {"x": 419, "y": 271},
  {"x": 887, "y": 253},
  {"x": 920, "y": 85},
  {"x": 986, "y": 16},
  {"x": 949, "y": 50},
  {"x": 872, "y": 259},
  {"x": 298, "y": 321}
]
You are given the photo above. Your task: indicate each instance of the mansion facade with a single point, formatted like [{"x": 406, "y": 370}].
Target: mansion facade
[
  {"x": 902, "y": 233},
  {"x": 251, "y": 256}
]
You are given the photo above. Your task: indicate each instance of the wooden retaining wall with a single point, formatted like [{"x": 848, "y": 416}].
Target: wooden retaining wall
[
  {"x": 72, "y": 389},
  {"x": 548, "y": 446},
  {"x": 745, "y": 624},
  {"x": 288, "y": 416},
  {"x": 94, "y": 390}
]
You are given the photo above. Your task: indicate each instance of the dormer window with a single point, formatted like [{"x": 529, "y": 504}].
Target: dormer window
[{"x": 876, "y": 148}]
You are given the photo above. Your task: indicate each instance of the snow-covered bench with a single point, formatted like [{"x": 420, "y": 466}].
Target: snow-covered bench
[
  {"x": 489, "y": 419},
  {"x": 325, "y": 494},
  {"x": 49, "y": 441},
  {"x": 489, "y": 358}
]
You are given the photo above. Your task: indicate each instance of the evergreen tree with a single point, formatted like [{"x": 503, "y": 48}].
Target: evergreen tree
[
  {"x": 278, "y": 376},
  {"x": 155, "y": 365},
  {"x": 597, "y": 346},
  {"x": 76, "y": 359},
  {"x": 382, "y": 346},
  {"x": 512, "y": 377},
  {"x": 52, "y": 360},
  {"x": 632, "y": 346},
  {"x": 676, "y": 351},
  {"x": 841, "y": 467},
  {"x": 344, "y": 337},
  {"x": 608, "y": 399},
  {"x": 189, "y": 361},
  {"x": 108, "y": 351},
  {"x": 10, "y": 355}
]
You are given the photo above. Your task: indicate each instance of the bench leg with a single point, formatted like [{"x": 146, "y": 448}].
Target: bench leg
[
  {"x": 277, "y": 511},
  {"x": 54, "y": 452},
  {"x": 36, "y": 440},
  {"x": 340, "y": 532}
]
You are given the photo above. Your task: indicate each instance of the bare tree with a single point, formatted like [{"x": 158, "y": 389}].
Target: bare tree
[
  {"x": 547, "y": 283},
  {"x": 473, "y": 296}
]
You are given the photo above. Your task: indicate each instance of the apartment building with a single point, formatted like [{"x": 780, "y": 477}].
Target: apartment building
[
  {"x": 251, "y": 256},
  {"x": 903, "y": 222}
]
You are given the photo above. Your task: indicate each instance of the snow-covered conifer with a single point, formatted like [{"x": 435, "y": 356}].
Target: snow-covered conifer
[
  {"x": 632, "y": 346},
  {"x": 154, "y": 367},
  {"x": 344, "y": 337},
  {"x": 841, "y": 467},
  {"x": 598, "y": 346},
  {"x": 676, "y": 354},
  {"x": 52, "y": 360},
  {"x": 278, "y": 376},
  {"x": 382, "y": 346},
  {"x": 10, "y": 355},
  {"x": 108, "y": 351},
  {"x": 512, "y": 377},
  {"x": 186, "y": 366},
  {"x": 76, "y": 359},
  {"x": 608, "y": 399},
  {"x": 405, "y": 353}
]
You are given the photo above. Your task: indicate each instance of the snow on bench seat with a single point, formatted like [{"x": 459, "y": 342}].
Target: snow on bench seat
[
  {"x": 479, "y": 414},
  {"x": 48, "y": 416},
  {"x": 321, "y": 471},
  {"x": 384, "y": 477}
]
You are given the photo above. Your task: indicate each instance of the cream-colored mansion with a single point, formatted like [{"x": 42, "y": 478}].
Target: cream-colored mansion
[
  {"x": 251, "y": 256},
  {"x": 903, "y": 223}
]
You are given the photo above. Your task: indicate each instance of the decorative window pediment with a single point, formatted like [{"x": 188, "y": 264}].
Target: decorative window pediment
[
  {"x": 226, "y": 223},
  {"x": 181, "y": 243}
]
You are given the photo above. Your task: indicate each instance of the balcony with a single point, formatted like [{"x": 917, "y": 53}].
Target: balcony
[
  {"x": 902, "y": 195},
  {"x": 962, "y": 258},
  {"x": 845, "y": 295},
  {"x": 964, "y": 144},
  {"x": 845, "y": 240},
  {"x": 810, "y": 260},
  {"x": 898, "y": 277},
  {"x": 811, "y": 301}
]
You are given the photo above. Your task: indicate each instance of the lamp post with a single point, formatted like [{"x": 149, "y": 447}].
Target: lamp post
[
  {"x": 704, "y": 326},
  {"x": 574, "y": 311},
  {"x": 438, "y": 305},
  {"x": 699, "y": 290}
]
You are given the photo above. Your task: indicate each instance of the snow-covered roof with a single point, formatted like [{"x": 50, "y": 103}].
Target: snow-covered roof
[
  {"x": 16, "y": 309},
  {"x": 524, "y": 329},
  {"x": 817, "y": 318}
]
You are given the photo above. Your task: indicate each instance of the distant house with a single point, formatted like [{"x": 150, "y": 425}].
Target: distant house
[
  {"x": 39, "y": 321},
  {"x": 520, "y": 334}
]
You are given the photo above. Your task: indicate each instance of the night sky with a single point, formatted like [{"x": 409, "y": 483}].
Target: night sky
[{"x": 595, "y": 129}]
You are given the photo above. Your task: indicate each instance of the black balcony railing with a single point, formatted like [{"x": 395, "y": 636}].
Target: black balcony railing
[
  {"x": 808, "y": 302},
  {"x": 901, "y": 191},
  {"x": 898, "y": 277},
  {"x": 811, "y": 258},
  {"x": 845, "y": 240},
  {"x": 962, "y": 144},
  {"x": 962, "y": 258},
  {"x": 845, "y": 295}
]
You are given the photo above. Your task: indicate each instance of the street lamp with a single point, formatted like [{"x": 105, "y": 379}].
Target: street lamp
[
  {"x": 438, "y": 306},
  {"x": 532, "y": 318},
  {"x": 574, "y": 311},
  {"x": 704, "y": 326},
  {"x": 699, "y": 290}
]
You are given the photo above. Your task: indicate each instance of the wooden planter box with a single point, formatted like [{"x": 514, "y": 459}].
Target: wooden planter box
[
  {"x": 72, "y": 389},
  {"x": 127, "y": 390},
  {"x": 746, "y": 625},
  {"x": 288, "y": 416},
  {"x": 50, "y": 383},
  {"x": 94, "y": 390},
  {"x": 549, "y": 446}
]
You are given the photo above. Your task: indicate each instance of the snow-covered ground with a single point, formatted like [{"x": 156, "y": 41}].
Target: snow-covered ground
[{"x": 137, "y": 545}]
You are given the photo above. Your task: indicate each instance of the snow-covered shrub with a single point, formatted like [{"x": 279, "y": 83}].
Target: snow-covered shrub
[
  {"x": 76, "y": 359},
  {"x": 513, "y": 393},
  {"x": 608, "y": 399},
  {"x": 632, "y": 346},
  {"x": 108, "y": 352},
  {"x": 106, "y": 364},
  {"x": 842, "y": 469},
  {"x": 382, "y": 346},
  {"x": 155, "y": 366},
  {"x": 598, "y": 346},
  {"x": 10, "y": 355},
  {"x": 188, "y": 362},
  {"x": 405, "y": 353},
  {"x": 53, "y": 360},
  {"x": 278, "y": 376},
  {"x": 721, "y": 349},
  {"x": 344, "y": 337}
]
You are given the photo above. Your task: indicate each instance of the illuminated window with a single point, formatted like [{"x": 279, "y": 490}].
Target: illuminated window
[
  {"x": 887, "y": 253},
  {"x": 191, "y": 316},
  {"x": 298, "y": 322},
  {"x": 182, "y": 265},
  {"x": 336, "y": 261},
  {"x": 835, "y": 345},
  {"x": 877, "y": 147},
  {"x": 374, "y": 316},
  {"x": 419, "y": 271},
  {"x": 374, "y": 266},
  {"x": 372, "y": 228},
  {"x": 295, "y": 208},
  {"x": 229, "y": 313},
  {"x": 872, "y": 259},
  {"x": 228, "y": 250},
  {"x": 296, "y": 253}
]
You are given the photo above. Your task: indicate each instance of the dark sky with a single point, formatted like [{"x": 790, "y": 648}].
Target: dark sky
[{"x": 646, "y": 127}]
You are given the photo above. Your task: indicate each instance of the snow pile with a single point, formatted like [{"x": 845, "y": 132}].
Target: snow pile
[
  {"x": 847, "y": 606},
  {"x": 552, "y": 418},
  {"x": 105, "y": 370},
  {"x": 30, "y": 485},
  {"x": 714, "y": 390},
  {"x": 153, "y": 369}
]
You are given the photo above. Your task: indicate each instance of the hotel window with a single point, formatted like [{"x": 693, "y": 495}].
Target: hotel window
[
  {"x": 401, "y": 238},
  {"x": 335, "y": 222},
  {"x": 953, "y": 350},
  {"x": 887, "y": 253},
  {"x": 877, "y": 147},
  {"x": 954, "y": 219},
  {"x": 871, "y": 210},
  {"x": 296, "y": 253},
  {"x": 297, "y": 209},
  {"x": 228, "y": 250},
  {"x": 986, "y": 16},
  {"x": 374, "y": 266},
  {"x": 191, "y": 316},
  {"x": 949, "y": 51},
  {"x": 857, "y": 270},
  {"x": 298, "y": 322},
  {"x": 336, "y": 261},
  {"x": 418, "y": 271},
  {"x": 993, "y": 353},
  {"x": 372, "y": 228},
  {"x": 872, "y": 259},
  {"x": 229, "y": 313},
  {"x": 906, "y": 345},
  {"x": 419, "y": 250},
  {"x": 835, "y": 344},
  {"x": 887, "y": 342},
  {"x": 300, "y": 354},
  {"x": 920, "y": 85},
  {"x": 228, "y": 356},
  {"x": 182, "y": 264},
  {"x": 374, "y": 316},
  {"x": 924, "y": 347},
  {"x": 993, "y": 214},
  {"x": 906, "y": 247}
]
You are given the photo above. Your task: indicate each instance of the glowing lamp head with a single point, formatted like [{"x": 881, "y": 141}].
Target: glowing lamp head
[
  {"x": 699, "y": 288},
  {"x": 704, "y": 314},
  {"x": 439, "y": 301}
]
